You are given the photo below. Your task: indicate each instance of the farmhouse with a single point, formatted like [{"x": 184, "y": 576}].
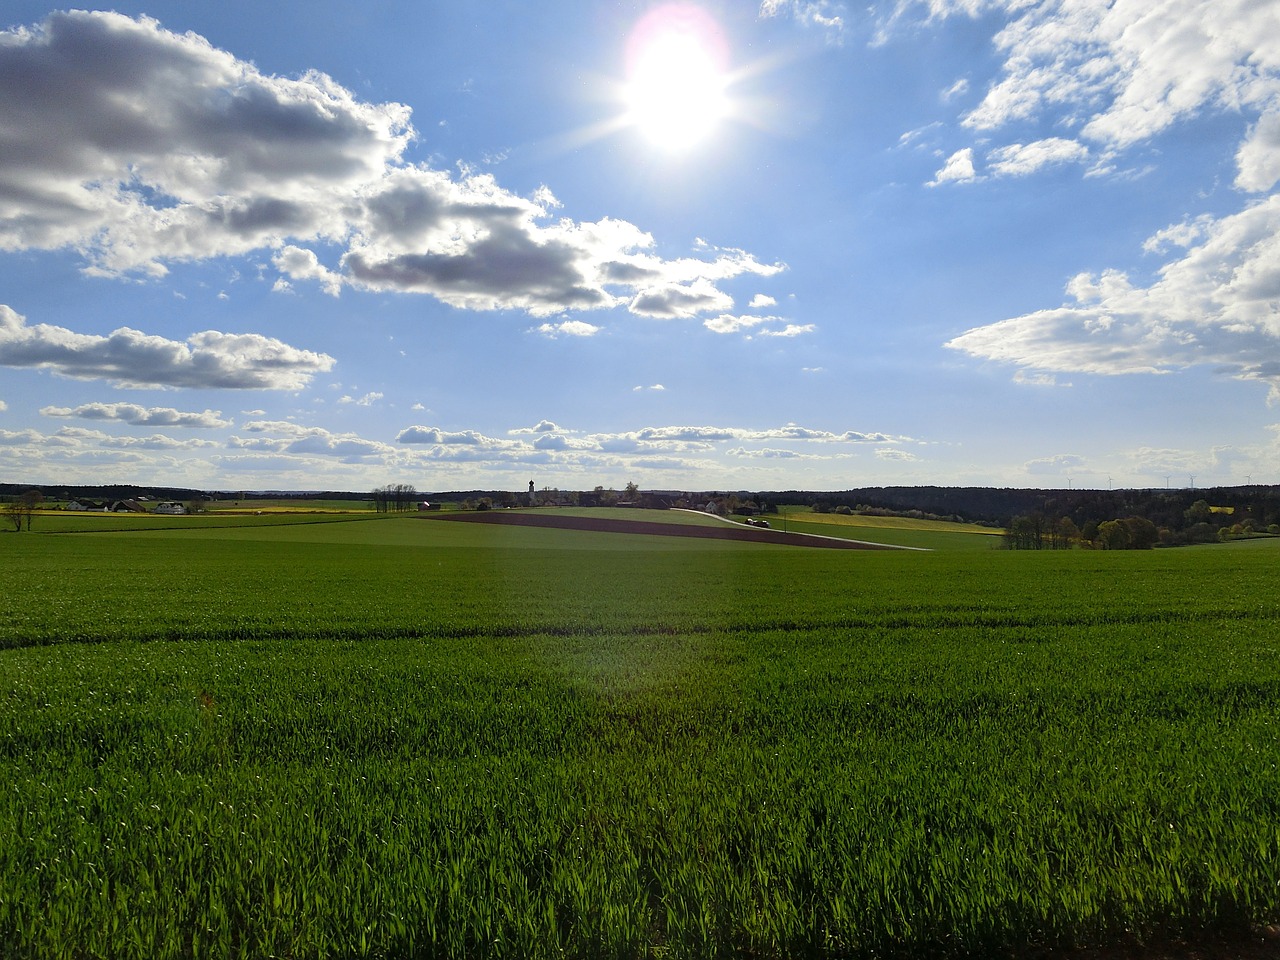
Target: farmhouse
[
  {"x": 85, "y": 505},
  {"x": 170, "y": 507}
]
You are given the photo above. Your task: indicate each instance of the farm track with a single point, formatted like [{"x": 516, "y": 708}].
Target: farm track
[{"x": 654, "y": 528}]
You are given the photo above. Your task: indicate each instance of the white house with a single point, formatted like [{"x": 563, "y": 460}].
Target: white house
[{"x": 170, "y": 507}]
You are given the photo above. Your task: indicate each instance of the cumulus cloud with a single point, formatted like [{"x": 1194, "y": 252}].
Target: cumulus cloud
[
  {"x": 130, "y": 359},
  {"x": 957, "y": 169},
  {"x": 1218, "y": 305},
  {"x": 1019, "y": 159},
  {"x": 3, "y": 406},
  {"x": 285, "y": 437},
  {"x": 542, "y": 426},
  {"x": 677, "y": 300},
  {"x": 568, "y": 328},
  {"x": 1119, "y": 74},
  {"x": 761, "y": 301},
  {"x": 368, "y": 400},
  {"x": 299, "y": 264},
  {"x": 1258, "y": 159},
  {"x": 173, "y": 150},
  {"x": 434, "y": 435},
  {"x": 729, "y": 323},
  {"x": 1113, "y": 76},
  {"x": 1133, "y": 69},
  {"x": 135, "y": 415}
]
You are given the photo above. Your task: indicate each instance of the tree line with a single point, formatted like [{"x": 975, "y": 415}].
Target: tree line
[{"x": 395, "y": 498}]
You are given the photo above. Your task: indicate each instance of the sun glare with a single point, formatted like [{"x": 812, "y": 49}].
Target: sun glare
[{"x": 676, "y": 77}]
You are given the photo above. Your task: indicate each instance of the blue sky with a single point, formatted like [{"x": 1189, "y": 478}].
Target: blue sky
[{"x": 707, "y": 245}]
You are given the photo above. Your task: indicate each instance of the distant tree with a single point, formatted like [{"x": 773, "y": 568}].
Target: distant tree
[
  {"x": 1198, "y": 512},
  {"x": 1142, "y": 533},
  {"x": 1200, "y": 533},
  {"x": 631, "y": 492},
  {"x": 1112, "y": 535},
  {"x": 1063, "y": 534},
  {"x": 30, "y": 501},
  {"x": 1023, "y": 533},
  {"x": 14, "y": 513},
  {"x": 197, "y": 505}
]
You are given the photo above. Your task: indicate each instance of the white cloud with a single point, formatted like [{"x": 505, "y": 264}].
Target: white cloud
[
  {"x": 434, "y": 435},
  {"x": 283, "y": 437},
  {"x": 138, "y": 416},
  {"x": 1055, "y": 465},
  {"x": 1037, "y": 379},
  {"x": 368, "y": 400},
  {"x": 173, "y": 150},
  {"x": 1118, "y": 74},
  {"x": 896, "y": 455},
  {"x": 1019, "y": 160},
  {"x": 1113, "y": 76},
  {"x": 1218, "y": 305},
  {"x": 1258, "y": 159},
  {"x": 542, "y": 426},
  {"x": 760, "y": 301},
  {"x": 568, "y": 328},
  {"x": 655, "y": 387},
  {"x": 728, "y": 323},
  {"x": 957, "y": 169},
  {"x": 299, "y": 264},
  {"x": 1132, "y": 69},
  {"x": 761, "y": 325},
  {"x": 129, "y": 358},
  {"x": 3, "y": 406},
  {"x": 790, "y": 330},
  {"x": 823, "y": 15}
]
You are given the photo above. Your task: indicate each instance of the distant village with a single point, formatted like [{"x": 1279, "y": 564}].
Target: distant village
[{"x": 140, "y": 505}]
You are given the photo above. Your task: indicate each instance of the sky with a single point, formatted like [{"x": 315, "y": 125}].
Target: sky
[{"x": 793, "y": 244}]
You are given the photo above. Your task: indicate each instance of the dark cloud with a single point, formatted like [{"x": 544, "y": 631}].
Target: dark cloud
[
  {"x": 140, "y": 147},
  {"x": 129, "y": 358}
]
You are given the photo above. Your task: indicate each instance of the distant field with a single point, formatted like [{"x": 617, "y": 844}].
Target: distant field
[
  {"x": 290, "y": 505},
  {"x": 899, "y": 531},
  {"x": 394, "y": 737},
  {"x": 57, "y": 521}
]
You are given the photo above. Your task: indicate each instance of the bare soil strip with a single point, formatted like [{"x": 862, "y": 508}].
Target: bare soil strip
[{"x": 655, "y": 528}]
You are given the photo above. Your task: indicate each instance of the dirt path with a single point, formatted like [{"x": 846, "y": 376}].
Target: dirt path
[{"x": 731, "y": 531}]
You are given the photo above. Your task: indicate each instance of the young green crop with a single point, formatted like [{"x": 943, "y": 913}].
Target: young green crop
[{"x": 391, "y": 739}]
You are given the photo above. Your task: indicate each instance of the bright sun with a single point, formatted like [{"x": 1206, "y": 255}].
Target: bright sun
[{"x": 676, "y": 79}]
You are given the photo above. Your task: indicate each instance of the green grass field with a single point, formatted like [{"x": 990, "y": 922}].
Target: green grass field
[{"x": 393, "y": 737}]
